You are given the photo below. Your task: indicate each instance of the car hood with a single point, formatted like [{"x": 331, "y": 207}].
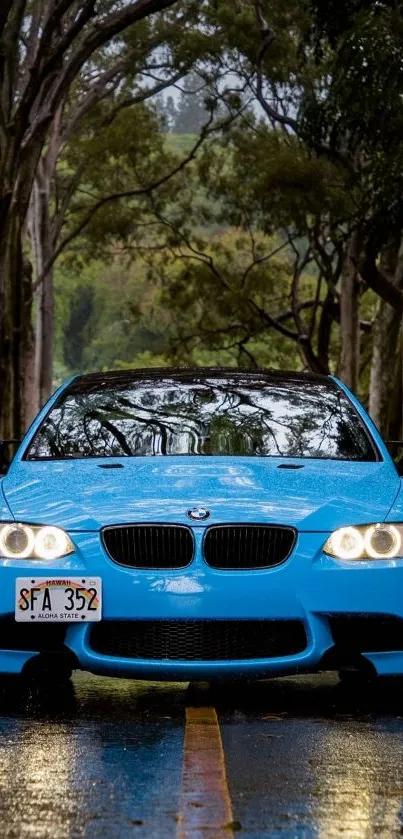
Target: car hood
[{"x": 83, "y": 495}]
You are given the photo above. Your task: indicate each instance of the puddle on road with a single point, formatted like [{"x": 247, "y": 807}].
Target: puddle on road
[
  {"x": 107, "y": 763},
  {"x": 307, "y": 759}
]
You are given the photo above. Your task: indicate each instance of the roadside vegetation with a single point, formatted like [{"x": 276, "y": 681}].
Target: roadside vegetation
[{"x": 201, "y": 183}]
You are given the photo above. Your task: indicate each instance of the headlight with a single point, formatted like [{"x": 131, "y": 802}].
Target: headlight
[
  {"x": 22, "y": 541},
  {"x": 372, "y": 541}
]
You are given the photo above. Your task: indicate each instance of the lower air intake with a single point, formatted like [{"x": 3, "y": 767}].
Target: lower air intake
[
  {"x": 367, "y": 633},
  {"x": 195, "y": 640}
]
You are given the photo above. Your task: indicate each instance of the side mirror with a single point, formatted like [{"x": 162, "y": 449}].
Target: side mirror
[
  {"x": 7, "y": 449},
  {"x": 396, "y": 451}
]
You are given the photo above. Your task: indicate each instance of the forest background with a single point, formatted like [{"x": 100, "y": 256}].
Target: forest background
[{"x": 201, "y": 183}]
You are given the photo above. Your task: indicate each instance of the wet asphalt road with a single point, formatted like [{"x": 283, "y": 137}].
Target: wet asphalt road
[{"x": 104, "y": 758}]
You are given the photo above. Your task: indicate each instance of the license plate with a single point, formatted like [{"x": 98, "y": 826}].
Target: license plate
[{"x": 54, "y": 600}]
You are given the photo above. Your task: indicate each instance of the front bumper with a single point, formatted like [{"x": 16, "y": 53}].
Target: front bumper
[{"x": 310, "y": 587}]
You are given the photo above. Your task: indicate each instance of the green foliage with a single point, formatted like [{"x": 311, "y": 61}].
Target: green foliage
[
  {"x": 124, "y": 156},
  {"x": 76, "y": 333},
  {"x": 232, "y": 261},
  {"x": 104, "y": 316},
  {"x": 198, "y": 284},
  {"x": 180, "y": 144},
  {"x": 270, "y": 178},
  {"x": 359, "y": 115},
  {"x": 123, "y": 315},
  {"x": 332, "y": 18},
  {"x": 240, "y": 35},
  {"x": 219, "y": 292}
]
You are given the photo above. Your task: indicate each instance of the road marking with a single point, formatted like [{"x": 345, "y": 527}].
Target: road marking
[{"x": 205, "y": 809}]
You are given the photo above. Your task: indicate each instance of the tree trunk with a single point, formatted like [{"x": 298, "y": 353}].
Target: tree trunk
[
  {"x": 15, "y": 298},
  {"x": 385, "y": 347},
  {"x": 45, "y": 362},
  {"x": 11, "y": 327},
  {"x": 350, "y": 314},
  {"x": 395, "y": 429},
  {"x": 40, "y": 234},
  {"x": 326, "y": 322},
  {"x": 30, "y": 394}
]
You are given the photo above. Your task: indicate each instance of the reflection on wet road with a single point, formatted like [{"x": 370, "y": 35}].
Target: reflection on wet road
[
  {"x": 105, "y": 767},
  {"x": 317, "y": 763},
  {"x": 105, "y": 758}
]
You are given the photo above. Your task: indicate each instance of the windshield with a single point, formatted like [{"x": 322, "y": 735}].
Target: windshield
[{"x": 208, "y": 417}]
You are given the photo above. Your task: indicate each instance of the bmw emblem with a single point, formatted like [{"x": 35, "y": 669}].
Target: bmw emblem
[{"x": 199, "y": 514}]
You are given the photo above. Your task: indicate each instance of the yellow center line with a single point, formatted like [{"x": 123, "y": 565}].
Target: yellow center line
[{"x": 206, "y": 809}]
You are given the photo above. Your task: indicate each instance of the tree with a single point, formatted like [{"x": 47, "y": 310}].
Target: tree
[
  {"x": 302, "y": 164},
  {"x": 43, "y": 48},
  {"x": 302, "y": 66},
  {"x": 271, "y": 275},
  {"x": 87, "y": 121},
  {"x": 191, "y": 111},
  {"x": 366, "y": 40}
]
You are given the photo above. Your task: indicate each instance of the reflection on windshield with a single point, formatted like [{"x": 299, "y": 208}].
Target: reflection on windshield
[{"x": 214, "y": 416}]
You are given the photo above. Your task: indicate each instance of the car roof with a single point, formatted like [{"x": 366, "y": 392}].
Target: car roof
[{"x": 125, "y": 378}]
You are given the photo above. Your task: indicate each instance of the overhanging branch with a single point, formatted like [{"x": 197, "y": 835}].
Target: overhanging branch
[{"x": 117, "y": 196}]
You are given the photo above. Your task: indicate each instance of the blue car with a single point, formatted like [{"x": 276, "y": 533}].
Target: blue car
[{"x": 185, "y": 524}]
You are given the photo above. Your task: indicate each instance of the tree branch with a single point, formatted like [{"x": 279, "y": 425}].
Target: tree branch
[
  {"x": 5, "y": 9},
  {"x": 380, "y": 284},
  {"x": 59, "y": 215},
  {"x": 146, "y": 94},
  {"x": 99, "y": 34},
  {"x": 50, "y": 92},
  {"x": 267, "y": 37},
  {"x": 261, "y": 260},
  {"x": 9, "y": 55},
  {"x": 117, "y": 196},
  {"x": 273, "y": 322},
  {"x": 97, "y": 91}
]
